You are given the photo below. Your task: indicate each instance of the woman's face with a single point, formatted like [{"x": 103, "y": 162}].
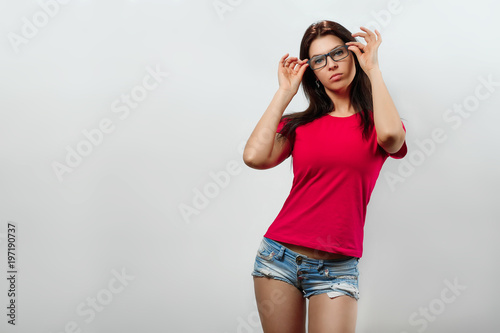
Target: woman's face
[{"x": 346, "y": 66}]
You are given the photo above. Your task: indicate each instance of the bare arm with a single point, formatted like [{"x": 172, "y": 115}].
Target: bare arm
[
  {"x": 390, "y": 132},
  {"x": 263, "y": 151}
]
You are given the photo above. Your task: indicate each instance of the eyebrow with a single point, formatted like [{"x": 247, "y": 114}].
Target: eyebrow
[{"x": 328, "y": 51}]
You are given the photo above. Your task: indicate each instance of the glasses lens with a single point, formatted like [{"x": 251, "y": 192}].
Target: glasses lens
[
  {"x": 339, "y": 53},
  {"x": 318, "y": 62}
]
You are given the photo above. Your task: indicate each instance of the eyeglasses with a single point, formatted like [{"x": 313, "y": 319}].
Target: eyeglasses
[{"x": 336, "y": 54}]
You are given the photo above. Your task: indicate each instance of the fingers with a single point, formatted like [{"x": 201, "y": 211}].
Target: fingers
[
  {"x": 379, "y": 37},
  {"x": 369, "y": 35},
  {"x": 300, "y": 66},
  {"x": 358, "y": 44},
  {"x": 282, "y": 60},
  {"x": 354, "y": 48},
  {"x": 293, "y": 63},
  {"x": 303, "y": 67},
  {"x": 362, "y": 34}
]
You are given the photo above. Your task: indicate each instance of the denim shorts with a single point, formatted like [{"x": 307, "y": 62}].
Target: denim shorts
[{"x": 336, "y": 277}]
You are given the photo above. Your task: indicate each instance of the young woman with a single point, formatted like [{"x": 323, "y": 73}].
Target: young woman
[{"x": 338, "y": 146}]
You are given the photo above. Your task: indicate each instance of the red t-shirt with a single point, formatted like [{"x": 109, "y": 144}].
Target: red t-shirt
[{"x": 335, "y": 171}]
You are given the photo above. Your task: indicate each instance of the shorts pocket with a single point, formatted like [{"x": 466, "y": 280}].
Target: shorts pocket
[
  {"x": 265, "y": 251},
  {"x": 346, "y": 269}
]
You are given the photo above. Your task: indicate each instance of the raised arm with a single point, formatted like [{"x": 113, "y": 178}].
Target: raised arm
[{"x": 263, "y": 151}]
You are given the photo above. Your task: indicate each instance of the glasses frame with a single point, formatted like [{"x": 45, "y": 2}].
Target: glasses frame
[{"x": 330, "y": 55}]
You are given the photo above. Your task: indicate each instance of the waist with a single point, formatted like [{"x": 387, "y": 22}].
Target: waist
[{"x": 313, "y": 253}]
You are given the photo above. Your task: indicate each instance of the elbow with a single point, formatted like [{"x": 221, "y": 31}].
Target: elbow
[
  {"x": 250, "y": 161},
  {"x": 254, "y": 163},
  {"x": 248, "y": 156},
  {"x": 392, "y": 142}
]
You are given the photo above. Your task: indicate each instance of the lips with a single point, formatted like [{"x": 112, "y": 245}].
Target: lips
[{"x": 335, "y": 76}]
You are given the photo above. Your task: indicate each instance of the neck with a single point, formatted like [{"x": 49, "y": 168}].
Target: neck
[{"x": 341, "y": 101}]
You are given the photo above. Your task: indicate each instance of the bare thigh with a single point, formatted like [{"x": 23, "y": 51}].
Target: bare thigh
[
  {"x": 282, "y": 307},
  {"x": 332, "y": 315}
]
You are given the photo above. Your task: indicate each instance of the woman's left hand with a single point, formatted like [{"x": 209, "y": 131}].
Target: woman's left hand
[{"x": 368, "y": 60}]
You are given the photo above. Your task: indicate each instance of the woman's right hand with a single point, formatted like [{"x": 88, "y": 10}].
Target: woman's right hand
[{"x": 290, "y": 72}]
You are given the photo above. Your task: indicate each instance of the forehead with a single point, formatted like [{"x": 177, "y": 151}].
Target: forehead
[{"x": 324, "y": 44}]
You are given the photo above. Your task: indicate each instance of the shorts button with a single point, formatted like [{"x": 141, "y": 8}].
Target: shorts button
[{"x": 299, "y": 260}]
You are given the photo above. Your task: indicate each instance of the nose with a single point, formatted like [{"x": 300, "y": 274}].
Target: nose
[{"x": 330, "y": 62}]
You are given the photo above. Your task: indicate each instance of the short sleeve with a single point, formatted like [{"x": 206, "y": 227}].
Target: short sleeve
[{"x": 402, "y": 151}]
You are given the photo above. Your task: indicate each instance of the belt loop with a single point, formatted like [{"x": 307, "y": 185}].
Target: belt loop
[
  {"x": 320, "y": 264},
  {"x": 280, "y": 254}
]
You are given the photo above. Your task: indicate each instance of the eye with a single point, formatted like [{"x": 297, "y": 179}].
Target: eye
[{"x": 318, "y": 60}]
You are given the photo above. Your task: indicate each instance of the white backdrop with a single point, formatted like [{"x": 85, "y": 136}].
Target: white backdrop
[{"x": 122, "y": 126}]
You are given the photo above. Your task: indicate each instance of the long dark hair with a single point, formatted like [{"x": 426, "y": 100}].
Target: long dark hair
[{"x": 319, "y": 102}]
